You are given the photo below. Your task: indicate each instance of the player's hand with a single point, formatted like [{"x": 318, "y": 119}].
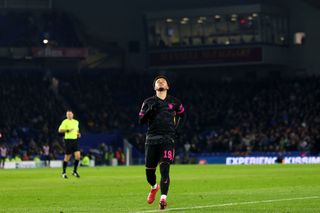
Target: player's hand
[{"x": 79, "y": 135}]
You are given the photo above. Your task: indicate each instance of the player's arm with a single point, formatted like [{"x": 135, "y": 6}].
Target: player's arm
[
  {"x": 63, "y": 128},
  {"x": 78, "y": 134},
  {"x": 147, "y": 111}
]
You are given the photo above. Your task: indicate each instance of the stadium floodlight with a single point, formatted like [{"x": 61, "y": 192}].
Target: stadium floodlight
[
  {"x": 169, "y": 20},
  {"x": 185, "y": 19},
  {"x": 201, "y": 19},
  {"x": 45, "y": 41}
]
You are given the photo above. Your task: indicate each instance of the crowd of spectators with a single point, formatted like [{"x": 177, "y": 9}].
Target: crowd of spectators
[
  {"x": 241, "y": 117},
  {"x": 238, "y": 117},
  {"x": 29, "y": 113}
]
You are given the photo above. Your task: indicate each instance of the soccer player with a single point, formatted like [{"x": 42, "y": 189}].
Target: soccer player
[
  {"x": 70, "y": 128},
  {"x": 163, "y": 115},
  {"x": 3, "y": 155}
]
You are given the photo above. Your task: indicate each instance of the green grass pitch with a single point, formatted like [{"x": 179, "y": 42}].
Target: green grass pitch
[{"x": 194, "y": 188}]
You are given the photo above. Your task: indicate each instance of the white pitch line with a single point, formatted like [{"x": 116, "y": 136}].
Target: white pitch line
[{"x": 230, "y": 204}]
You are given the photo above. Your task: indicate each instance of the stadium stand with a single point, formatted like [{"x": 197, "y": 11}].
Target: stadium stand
[{"x": 256, "y": 116}]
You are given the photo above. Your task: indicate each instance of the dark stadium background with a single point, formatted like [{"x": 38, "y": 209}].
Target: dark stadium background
[{"x": 250, "y": 88}]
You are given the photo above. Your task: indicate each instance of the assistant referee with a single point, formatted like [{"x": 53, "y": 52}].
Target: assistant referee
[{"x": 70, "y": 128}]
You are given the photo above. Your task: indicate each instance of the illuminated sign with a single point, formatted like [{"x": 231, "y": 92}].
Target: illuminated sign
[{"x": 272, "y": 160}]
